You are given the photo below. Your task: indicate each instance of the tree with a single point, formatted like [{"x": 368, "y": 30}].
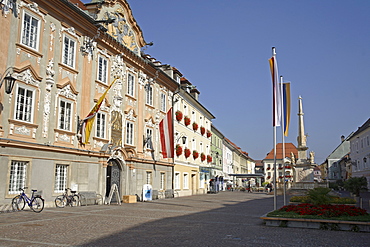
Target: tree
[{"x": 355, "y": 185}]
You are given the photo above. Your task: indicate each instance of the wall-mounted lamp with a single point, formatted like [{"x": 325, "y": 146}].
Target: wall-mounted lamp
[
  {"x": 183, "y": 138},
  {"x": 9, "y": 80}
]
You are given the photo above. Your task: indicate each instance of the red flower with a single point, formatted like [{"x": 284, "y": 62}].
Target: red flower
[
  {"x": 186, "y": 120},
  {"x": 324, "y": 210},
  {"x": 195, "y": 126},
  {"x": 209, "y": 158},
  {"x": 195, "y": 154},
  {"x": 178, "y": 150},
  {"x": 178, "y": 115},
  {"x": 202, "y": 130},
  {"x": 268, "y": 168},
  {"x": 209, "y": 134},
  {"x": 202, "y": 157},
  {"x": 288, "y": 167},
  {"x": 268, "y": 177},
  {"x": 187, "y": 153}
]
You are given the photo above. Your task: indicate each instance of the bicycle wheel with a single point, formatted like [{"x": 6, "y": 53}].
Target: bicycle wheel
[
  {"x": 18, "y": 203},
  {"x": 74, "y": 200},
  {"x": 60, "y": 201},
  {"x": 37, "y": 204}
]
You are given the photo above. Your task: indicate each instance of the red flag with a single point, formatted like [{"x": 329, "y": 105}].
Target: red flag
[{"x": 166, "y": 135}]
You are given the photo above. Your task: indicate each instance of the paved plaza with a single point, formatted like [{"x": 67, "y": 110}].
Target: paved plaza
[{"x": 223, "y": 219}]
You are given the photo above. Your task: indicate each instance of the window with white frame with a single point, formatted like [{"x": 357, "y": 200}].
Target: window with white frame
[
  {"x": 24, "y": 104},
  {"x": 60, "y": 178},
  {"x": 100, "y": 124},
  {"x": 149, "y": 95},
  {"x": 163, "y": 102},
  {"x": 129, "y": 133},
  {"x": 65, "y": 114},
  {"x": 162, "y": 185},
  {"x": 186, "y": 181},
  {"x": 102, "y": 69},
  {"x": 69, "y": 51},
  {"x": 30, "y": 31},
  {"x": 149, "y": 177},
  {"x": 177, "y": 181},
  {"x": 149, "y": 133},
  {"x": 130, "y": 84},
  {"x": 17, "y": 180},
  {"x": 193, "y": 119}
]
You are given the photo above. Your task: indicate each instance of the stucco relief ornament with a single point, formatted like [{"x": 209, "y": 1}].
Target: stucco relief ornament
[
  {"x": 118, "y": 67},
  {"x": 27, "y": 77},
  {"x": 67, "y": 92},
  {"x": 142, "y": 78},
  {"x": 9, "y": 5},
  {"x": 50, "y": 72}
]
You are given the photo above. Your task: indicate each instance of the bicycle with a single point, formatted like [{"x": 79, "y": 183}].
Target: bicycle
[
  {"x": 67, "y": 199},
  {"x": 36, "y": 202}
]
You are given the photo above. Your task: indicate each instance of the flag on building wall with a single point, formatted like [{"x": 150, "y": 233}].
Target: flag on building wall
[
  {"x": 276, "y": 101},
  {"x": 87, "y": 124},
  {"x": 286, "y": 107},
  {"x": 166, "y": 135}
]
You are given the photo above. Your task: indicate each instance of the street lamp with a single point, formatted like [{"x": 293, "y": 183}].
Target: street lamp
[{"x": 9, "y": 80}]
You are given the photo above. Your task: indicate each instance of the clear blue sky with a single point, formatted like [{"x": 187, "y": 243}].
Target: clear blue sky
[{"x": 223, "y": 47}]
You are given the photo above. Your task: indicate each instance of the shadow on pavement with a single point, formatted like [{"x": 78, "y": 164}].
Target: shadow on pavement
[{"x": 235, "y": 223}]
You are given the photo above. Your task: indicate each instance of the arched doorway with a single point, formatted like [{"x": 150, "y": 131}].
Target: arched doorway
[{"x": 113, "y": 177}]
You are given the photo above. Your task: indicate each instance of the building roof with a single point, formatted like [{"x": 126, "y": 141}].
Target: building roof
[
  {"x": 362, "y": 128},
  {"x": 289, "y": 148}
]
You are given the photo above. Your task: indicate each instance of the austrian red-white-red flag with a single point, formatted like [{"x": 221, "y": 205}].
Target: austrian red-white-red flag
[{"x": 166, "y": 135}]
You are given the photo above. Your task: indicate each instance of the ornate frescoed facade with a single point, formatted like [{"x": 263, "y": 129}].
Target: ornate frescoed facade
[{"x": 64, "y": 56}]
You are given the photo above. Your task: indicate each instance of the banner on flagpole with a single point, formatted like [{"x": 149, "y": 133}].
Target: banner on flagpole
[
  {"x": 166, "y": 135},
  {"x": 87, "y": 123},
  {"x": 276, "y": 100},
  {"x": 286, "y": 107}
]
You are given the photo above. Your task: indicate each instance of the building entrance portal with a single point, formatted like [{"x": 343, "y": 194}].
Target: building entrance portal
[{"x": 113, "y": 177}]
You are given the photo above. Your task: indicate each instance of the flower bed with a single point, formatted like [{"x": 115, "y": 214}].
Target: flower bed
[
  {"x": 324, "y": 210},
  {"x": 326, "y": 217}
]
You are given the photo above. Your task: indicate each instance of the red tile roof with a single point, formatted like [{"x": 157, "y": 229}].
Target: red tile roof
[{"x": 289, "y": 148}]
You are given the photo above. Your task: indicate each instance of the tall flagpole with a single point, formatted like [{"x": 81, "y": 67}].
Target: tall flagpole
[{"x": 283, "y": 138}]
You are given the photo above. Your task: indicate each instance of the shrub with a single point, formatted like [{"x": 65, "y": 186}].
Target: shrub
[
  {"x": 319, "y": 196},
  {"x": 355, "y": 185}
]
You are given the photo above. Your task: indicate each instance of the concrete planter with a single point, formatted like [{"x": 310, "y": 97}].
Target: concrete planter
[{"x": 317, "y": 224}]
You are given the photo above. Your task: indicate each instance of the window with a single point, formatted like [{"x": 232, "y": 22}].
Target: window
[
  {"x": 149, "y": 133},
  {"x": 162, "y": 182},
  {"x": 163, "y": 102},
  {"x": 186, "y": 181},
  {"x": 100, "y": 125},
  {"x": 102, "y": 69},
  {"x": 177, "y": 181},
  {"x": 17, "y": 176},
  {"x": 69, "y": 52},
  {"x": 30, "y": 31},
  {"x": 130, "y": 85},
  {"x": 24, "y": 105},
  {"x": 149, "y": 95},
  {"x": 65, "y": 115},
  {"x": 60, "y": 178},
  {"x": 149, "y": 177},
  {"x": 129, "y": 133}
]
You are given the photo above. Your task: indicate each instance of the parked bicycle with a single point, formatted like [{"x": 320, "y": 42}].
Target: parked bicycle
[
  {"x": 71, "y": 199},
  {"x": 36, "y": 202}
]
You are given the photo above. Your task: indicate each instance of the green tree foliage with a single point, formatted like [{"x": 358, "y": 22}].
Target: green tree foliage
[
  {"x": 355, "y": 185},
  {"x": 319, "y": 196}
]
